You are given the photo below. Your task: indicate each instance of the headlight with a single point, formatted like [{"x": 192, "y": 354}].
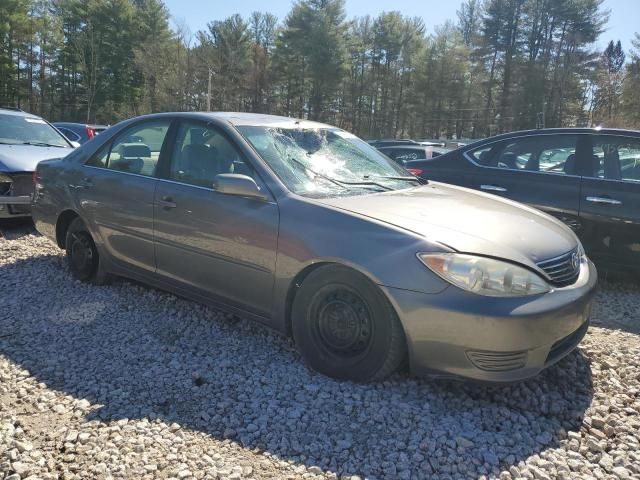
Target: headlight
[
  {"x": 5, "y": 178},
  {"x": 484, "y": 276}
]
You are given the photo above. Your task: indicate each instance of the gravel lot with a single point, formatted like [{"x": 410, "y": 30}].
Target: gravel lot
[{"x": 124, "y": 381}]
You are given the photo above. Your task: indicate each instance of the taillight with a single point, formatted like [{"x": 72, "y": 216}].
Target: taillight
[
  {"x": 34, "y": 178},
  {"x": 90, "y": 132},
  {"x": 414, "y": 171}
]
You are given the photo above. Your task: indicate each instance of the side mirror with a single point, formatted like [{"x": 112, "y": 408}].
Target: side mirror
[
  {"x": 75, "y": 144},
  {"x": 240, "y": 185}
]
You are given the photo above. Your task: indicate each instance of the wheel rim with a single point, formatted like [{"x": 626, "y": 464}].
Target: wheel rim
[
  {"x": 82, "y": 254},
  {"x": 343, "y": 323}
]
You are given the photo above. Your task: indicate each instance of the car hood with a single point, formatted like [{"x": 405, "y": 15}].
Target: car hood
[
  {"x": 467, "y": 221},
  {"x": 24, "y": 158}
]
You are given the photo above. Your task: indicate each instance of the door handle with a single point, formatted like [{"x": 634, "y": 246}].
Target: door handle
[
  {"x": 166, "y": 202},
  {"x": 493, "y": 188},
  {"x": 604, "y": 200}
]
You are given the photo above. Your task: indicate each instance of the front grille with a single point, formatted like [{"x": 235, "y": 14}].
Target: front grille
[
  {"x": 22, "y": 185},
  {"x": 497, "y": 361},
  {"x": 563, "y": 270},
  {"x": 5, "y": 188}
]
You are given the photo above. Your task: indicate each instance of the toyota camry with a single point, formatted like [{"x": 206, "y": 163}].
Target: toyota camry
[{"x": 308, "y": 229}]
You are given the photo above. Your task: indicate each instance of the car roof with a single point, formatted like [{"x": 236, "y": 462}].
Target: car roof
[
  {"x": 552, "y": 131},
  {"x": 262, "y": 119},
  {"x": 83, "y": 125},
  {"x": 18, "y": 113}
]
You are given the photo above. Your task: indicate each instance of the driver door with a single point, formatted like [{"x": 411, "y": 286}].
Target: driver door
[{"x": 222, "y": 246}]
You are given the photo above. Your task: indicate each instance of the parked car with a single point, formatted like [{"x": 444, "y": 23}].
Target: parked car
[
  {"x": 588, "y": 178},
  {"x": 392, "y": 142},
  {"x": 308, "y": 229},
  {"x": 25, "y": 139},
  {"x": 402, "y": 154},
  {"x": 79, "y": 132}
]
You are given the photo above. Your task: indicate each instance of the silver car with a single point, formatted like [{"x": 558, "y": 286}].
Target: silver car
[
  {"x": 25, "y": 140},
  {"x": 309, "y": 230}
]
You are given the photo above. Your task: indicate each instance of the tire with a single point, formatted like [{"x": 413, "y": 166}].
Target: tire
[
  {"x": 82, "y": 255},
  {"x": 345, "y": 328}
]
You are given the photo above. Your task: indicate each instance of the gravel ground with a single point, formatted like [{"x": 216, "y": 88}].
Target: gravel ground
[{"x": 124, "y": 381}]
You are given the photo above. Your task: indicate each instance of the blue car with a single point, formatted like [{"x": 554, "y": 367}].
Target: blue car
[
  {"x": 25, "y": 140},
  {"x": 79, "y": 132}
]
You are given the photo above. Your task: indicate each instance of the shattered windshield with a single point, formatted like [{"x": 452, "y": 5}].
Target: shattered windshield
[{"x": 326, "y": 161}]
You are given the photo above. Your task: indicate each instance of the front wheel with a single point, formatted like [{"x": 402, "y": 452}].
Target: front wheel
[{"x": 345, "y": 327}]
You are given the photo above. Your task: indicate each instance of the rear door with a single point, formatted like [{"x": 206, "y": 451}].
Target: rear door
[
  {"x": 539, "y": 170},
  {"x": 115, "y": 190},
  {"x": 610, "y": 202}
]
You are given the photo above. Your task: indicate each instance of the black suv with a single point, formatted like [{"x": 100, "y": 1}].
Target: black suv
[{"x": 587, "y": 178}]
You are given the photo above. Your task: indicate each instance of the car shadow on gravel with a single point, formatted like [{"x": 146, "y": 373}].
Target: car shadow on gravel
[
  {"x": 15, "y": 228},
  {"x": 136, "y": 352}
]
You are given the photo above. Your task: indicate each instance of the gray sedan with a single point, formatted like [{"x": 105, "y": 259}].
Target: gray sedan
[{"x": 309, "y": 230}]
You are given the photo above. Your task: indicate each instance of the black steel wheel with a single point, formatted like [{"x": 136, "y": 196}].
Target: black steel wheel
[
  {"x": 344, "y": 326},
  {"x": 342, "y": 322}
]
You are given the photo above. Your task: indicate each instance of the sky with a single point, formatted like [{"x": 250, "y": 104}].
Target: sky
[{"x": 197, "y": 13}]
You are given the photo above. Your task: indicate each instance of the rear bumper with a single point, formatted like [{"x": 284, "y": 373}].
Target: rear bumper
[{"x": 457, "y": 333}]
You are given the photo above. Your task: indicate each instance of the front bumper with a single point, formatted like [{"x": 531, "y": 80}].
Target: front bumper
[
  {"x": 457, "y": 333},
  {"x": 16, "y": 195}
]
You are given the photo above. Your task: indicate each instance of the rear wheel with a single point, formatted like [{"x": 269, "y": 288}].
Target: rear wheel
[
  {"x": 82, "y": 255},
  {"x": 344, "y": 326}
]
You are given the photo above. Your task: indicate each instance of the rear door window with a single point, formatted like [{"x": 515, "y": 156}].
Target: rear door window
[
  {"x": 543, "y": 153},
  {"x": 409, "y": 154},
  {"x": 135, "y": 150}
]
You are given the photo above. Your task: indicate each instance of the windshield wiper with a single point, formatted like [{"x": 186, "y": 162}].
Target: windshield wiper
[
  {"x": 342, "y": 183},
  {"x": 391, "y": 177},
  {"x": 367, "y": 183},
  {"x": 332, "y": 180},
  {"x": 41, "y": 144}
]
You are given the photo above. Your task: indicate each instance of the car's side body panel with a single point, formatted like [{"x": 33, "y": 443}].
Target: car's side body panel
[{"x": 222, "y": 244}]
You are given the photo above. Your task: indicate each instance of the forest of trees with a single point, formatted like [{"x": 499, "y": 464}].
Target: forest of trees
[{"x": 502, "y": 65}]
